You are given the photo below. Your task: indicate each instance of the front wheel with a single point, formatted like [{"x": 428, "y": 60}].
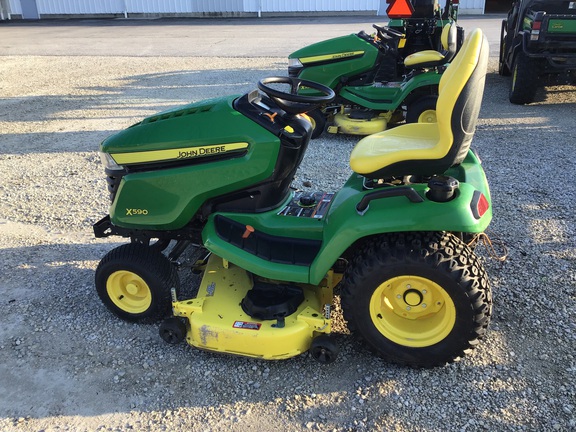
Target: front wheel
[
  {"x": 134, "y": 282},
  {"x": 418, "y": 299},
  {"x": 318, "y": 120}
]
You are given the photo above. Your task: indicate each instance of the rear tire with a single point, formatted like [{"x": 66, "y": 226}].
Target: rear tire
[
  {"x": 418, "y": 299},
  {"x": 134, "y": 282},
  {"x": 422, "y": 110},
  {"x": 502, "y": 66},
  {"x": 524, "y": 80}
]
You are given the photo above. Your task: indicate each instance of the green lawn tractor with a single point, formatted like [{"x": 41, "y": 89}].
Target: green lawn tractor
[
  {"x": 421, "y": 23},
  {"x": 386, "y": 78},
  {"x": 396, "y": 240}
]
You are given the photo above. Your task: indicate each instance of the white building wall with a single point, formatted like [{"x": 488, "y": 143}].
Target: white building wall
[
  {"x": 79, "y": 7},
  {"x": 158, "y": 6},
  {"x": 318, "y": 5},
  {"x": 15, "y": 7},
  {"x": 217, "y": 6},
  {"x": 183, "y": 6},
  {"x": 472, "y": 7},
  {"x": 65, "y": 7}
]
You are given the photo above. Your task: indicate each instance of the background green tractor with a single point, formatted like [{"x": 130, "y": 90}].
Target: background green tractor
[{"x": 387, "y": 77}]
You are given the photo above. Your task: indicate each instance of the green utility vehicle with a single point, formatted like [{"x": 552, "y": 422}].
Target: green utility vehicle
[
  {"x": 397, "y": 238},
  {"x": 538, "y": 46}
]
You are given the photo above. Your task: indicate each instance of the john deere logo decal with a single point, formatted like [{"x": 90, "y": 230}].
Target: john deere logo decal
[
  {"x": 335, "y": 56},
  {"x": 201, "y": 151},
  {"x": 177, "y": 153}
]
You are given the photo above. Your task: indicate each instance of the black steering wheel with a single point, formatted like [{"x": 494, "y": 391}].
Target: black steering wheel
[
  {"x": 387, "y": 31},
  {"x": 293, "y": 102}
]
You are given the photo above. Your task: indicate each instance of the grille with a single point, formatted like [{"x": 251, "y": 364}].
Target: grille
[{"x": 113, "y": 183}]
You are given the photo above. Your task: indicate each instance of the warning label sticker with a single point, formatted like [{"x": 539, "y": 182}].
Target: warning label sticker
[
  {"x": 247, "y": 325},
  {"x": 308, "y": 205}
]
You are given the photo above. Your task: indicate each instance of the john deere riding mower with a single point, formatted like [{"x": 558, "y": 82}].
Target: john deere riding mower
[
  {"x": 397, "y": 238},
  {"x": 384, "y": 78}
]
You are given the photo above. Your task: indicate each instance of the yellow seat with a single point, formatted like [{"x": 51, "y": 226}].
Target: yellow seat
[
  {"x": 432, "y": 58},
  {"x": 432, "y": 148}
]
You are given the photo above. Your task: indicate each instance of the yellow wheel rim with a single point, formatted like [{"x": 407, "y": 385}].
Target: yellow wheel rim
[
  {"x": 129, "y": 291},
  {"x": 313, "y": 122},
  {"x": 428, "y": 116},
  {"x": 310, "y": 119},
  {"x": 412, "y": 311}
]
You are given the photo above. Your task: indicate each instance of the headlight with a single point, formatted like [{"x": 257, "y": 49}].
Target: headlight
[
  {"x": 295, "y": 66},
  {"x": 294, "y": 63},
  {"x": 109, "y": 163}
]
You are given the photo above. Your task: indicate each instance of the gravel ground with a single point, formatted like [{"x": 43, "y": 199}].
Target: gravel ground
[{"x": 67, "y": 364}]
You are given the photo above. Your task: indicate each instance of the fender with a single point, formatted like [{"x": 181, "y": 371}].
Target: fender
[
  {"x": 343, "y": 224},
  {"x": 388, "y": 98}
]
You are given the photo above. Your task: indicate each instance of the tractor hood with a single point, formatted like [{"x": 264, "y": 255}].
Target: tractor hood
[
  {"x": 193, "y": 130},
  {"x": 327, "y": 61},
  {"x": 333, "y": 50}
]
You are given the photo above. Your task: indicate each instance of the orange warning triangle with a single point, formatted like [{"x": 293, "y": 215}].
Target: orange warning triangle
[{"x": 400, "y": 9}]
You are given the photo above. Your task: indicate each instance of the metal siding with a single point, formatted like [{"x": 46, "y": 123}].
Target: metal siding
[
  {"x": 318, "y": 5},
  {"x": 183, "y": 6},
  {"x": 15, "y": 7},
  {"x": 47, "y": 7},
  {"x": 66, "y": 7},
  {"x": 472, "y": 6},
  {"x": 250, "y": 5},
  {"x": 219, "y": 5},
  {"x": 159, "y": 6}
]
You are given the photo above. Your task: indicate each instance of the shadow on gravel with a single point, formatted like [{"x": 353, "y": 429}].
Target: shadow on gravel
[
  {"x": 80, "y": 120},
  {"x": 59, "y": 340}
]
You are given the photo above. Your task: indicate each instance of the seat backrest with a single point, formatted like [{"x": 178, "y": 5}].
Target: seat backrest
[
  {"x": 460, "y": 96},
  {"x": 432, "y": 148},
  {"x": 449, "y": 40},
  {"x": 433, "y": 58}
]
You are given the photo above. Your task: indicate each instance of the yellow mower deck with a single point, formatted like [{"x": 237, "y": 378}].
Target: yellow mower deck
[{"x": 216, "y": 321}]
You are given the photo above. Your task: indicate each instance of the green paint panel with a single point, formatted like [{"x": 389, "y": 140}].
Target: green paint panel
[
  {"x": 329, "y": 71},
  {"x": 343, "y": 225},
  {"x": 168, "y": 198},
  {"x": 388, "y": 97},
  {"x": 180, "y": 127},
  {"x": 562, "y": 26}
]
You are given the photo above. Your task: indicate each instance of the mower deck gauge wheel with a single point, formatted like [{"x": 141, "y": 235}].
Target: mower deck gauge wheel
[
  {"x": 324, "y": 350},
  {"x": 173, "y": 330}
]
